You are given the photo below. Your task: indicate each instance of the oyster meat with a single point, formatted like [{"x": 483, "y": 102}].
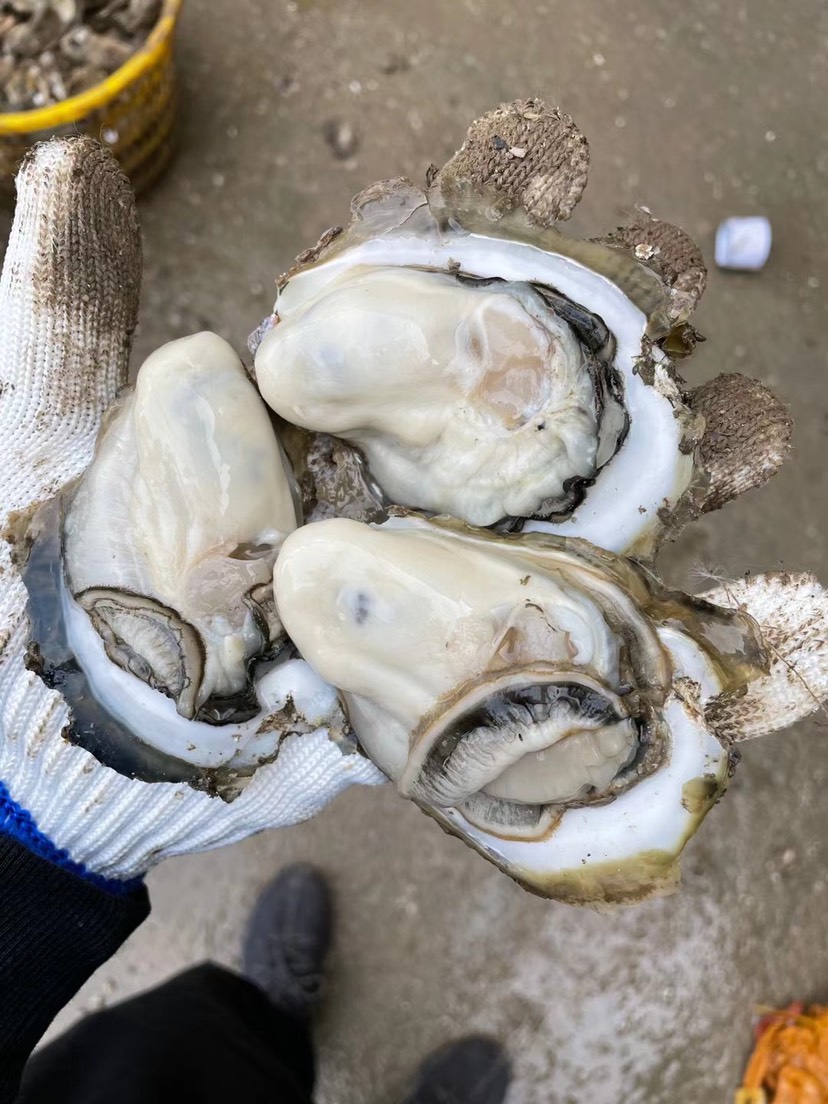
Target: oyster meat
[
  {"x": 544, "y": 699},
  {"x": 514, "y": 666},
  {"x": 514, "y": 406},
  {"x": 493, "y": 371},
  {"x": 169, "y": 544}
]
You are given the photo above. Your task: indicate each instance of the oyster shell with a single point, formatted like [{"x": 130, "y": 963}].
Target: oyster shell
[
  {"x": 51, "y": 49},
  {"x": 169, "y": 544},
  {"x": 484, "y": 374},
  {"x": 480, "y": 363},
  {"x": 544, "y": 699}
]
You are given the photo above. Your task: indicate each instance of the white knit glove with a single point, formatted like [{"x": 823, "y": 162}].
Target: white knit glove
[{"x": 68, "y": 307}]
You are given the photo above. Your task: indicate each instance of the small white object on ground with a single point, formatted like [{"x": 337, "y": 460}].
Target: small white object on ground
[{"x": 743, "y": 243}]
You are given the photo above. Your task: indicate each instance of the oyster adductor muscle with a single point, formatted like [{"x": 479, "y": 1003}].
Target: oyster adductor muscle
[{"x": 541, "y": 697}]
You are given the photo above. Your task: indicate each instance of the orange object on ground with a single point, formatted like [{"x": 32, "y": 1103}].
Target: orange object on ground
[{"x": 789, "y": 1064}]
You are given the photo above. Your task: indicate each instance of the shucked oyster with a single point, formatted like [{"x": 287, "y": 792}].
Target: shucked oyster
[
  {"x": 486, "y": 366},
  {"x": 543, "y": 699},
  {"x": 169, "y": 544},
  {"x": 484, "y": 399}
]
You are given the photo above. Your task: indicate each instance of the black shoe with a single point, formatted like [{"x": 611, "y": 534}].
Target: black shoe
[
  {"x": 469, "y": 1071},
  {"x": 288, "y": 936}
]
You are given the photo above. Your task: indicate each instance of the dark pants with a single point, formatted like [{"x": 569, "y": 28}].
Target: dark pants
[{"x": 206, "y": 1035}]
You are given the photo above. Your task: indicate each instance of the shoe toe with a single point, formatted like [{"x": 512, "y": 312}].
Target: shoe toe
[{"x": 474, "y": 1070}]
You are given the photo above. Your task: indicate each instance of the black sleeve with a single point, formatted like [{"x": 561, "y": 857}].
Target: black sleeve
[{"x": 56, "y": 929}]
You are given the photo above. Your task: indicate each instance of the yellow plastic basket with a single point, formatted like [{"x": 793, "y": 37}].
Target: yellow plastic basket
[{"x": 133, "y": 111}]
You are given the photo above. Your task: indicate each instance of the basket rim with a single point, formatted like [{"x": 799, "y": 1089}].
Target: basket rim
[{"x": 75, "y": 107}]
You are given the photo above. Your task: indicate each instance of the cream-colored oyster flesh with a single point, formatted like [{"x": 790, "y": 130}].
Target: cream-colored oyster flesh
[
  {"x": 467, "y": 397},
  {"x": 548, "y": 702},
  {"x": 169, "y": 544},
  {"x": 543, "y": 698}
]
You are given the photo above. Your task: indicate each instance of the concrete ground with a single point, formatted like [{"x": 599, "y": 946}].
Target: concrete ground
[{"x": 699, "y": 110}]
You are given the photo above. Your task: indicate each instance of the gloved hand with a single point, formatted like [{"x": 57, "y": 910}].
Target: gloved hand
[
  {"x": 68, "y": 308},
  {"x": 68, "y": 305}
]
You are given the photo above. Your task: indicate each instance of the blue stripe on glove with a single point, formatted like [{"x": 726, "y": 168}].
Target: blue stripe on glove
[{"x": 18, "y": 823}]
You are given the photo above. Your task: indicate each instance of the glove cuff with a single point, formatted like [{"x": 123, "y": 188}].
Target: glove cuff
[
  {"x": 118, "y": 827},
  {"x": 97, "y": 822},
  {"x": 18, "y": 824}
]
